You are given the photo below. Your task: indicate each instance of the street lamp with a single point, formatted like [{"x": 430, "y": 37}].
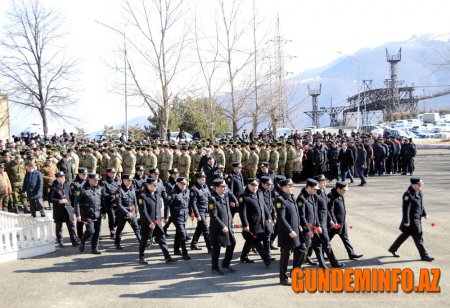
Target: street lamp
[
  {"x": 359, "y": 79},
  {"x": 125, "y": 72}
]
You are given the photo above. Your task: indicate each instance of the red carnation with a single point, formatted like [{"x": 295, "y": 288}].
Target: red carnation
[
  {"x": 315, "y": 229},
  {"x": 310, "y": 225},
  {"x": 338, "y": 226},
  {"x": 156, "y": 221}
]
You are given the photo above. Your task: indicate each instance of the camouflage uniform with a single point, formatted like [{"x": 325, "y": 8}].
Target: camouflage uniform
[
  {"x": 282, "y": 160},
  {"x": 290, "y": 156}
]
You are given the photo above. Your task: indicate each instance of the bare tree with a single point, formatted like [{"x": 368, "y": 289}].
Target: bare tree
[
  {"x": 35, "y": 71},
  {"x": 155, "y": 51},
  {"x": 236, "y": 57}
]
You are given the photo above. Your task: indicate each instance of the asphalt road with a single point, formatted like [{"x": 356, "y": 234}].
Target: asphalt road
[{"x": 66, "y": 278}]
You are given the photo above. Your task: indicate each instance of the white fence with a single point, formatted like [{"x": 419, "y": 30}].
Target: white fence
[{"x": 24, "y": 237}]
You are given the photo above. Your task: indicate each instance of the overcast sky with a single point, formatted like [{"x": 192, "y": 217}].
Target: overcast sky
[{"x": 317, "y": 30}]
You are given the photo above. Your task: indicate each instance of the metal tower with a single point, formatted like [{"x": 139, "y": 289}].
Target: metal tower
[
  {"x": 393, "y": 84},
  {"x": 315, "y": 114}
]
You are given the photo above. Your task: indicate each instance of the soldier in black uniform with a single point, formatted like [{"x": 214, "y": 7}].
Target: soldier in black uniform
[
  {"x": 290, "y": 236},
  {"x": 338, "y": 226},
  {"x": 126, "y": 209},
  {"x": 111, "y": 186},
  {"x": 306, "y": 202},
  {"x": 139, "y": 180},
  {"x": 221, "y": 231},
  {"x": 265, "y": 186},
  {"x": 411, "y": 225},
  {"x": 179, "y": 205},
  {"x": 264, "y": 170},
  {"x": 276, "y": 190},
  {"x": 254, "y": 216},
  {"x": 89, "y": 207},
  {"x": 170, "y": 186},
  {"x": 150, "y": 203},
  {"x": 77, "y": 183},
  {"x": 60, "y": 195},
  {"x": 325, "y": 218},
  {"x": 198, "y": 202},
  {"x": 236, "y": 184}
]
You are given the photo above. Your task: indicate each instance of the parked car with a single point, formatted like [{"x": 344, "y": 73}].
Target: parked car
[{"x": 174, "y": 136}]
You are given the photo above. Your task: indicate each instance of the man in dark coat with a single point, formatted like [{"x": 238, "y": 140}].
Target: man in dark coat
[
  {"x": 65, "y": 165},
  {"x": 265, "y": 186},
  {"x": 411, "y": 225},
  {"x": 346, "y": 161},
  {"x": 236, "y": 184},
  {"x": 360, "y": 163},
  {"x": 78, "y": 182},
  {"x": 338, "y": 226},
  {"x": 33, "y": 185},
  {"x": 254, "y": 216},
  {"x": 60, "y": 196},
  {"x": 290, "y": 236},
  {"x": 111, "y": 186},
  {"x": 221, "y": 230},
  {"x": 150, "y": 203},
  {"x": 319, "y": 157},
  {"x": 198, "y": 202},
  {"x": 126, "y": 209}
]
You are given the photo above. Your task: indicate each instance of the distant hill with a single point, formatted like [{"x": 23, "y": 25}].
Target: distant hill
[{"x": 418, "y": 67}]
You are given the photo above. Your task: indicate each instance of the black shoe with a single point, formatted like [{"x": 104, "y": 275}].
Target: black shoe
[
  {"x": 427, "y": 258},
  {"x": 81, "y": 247},
  {"x": 209, "y": 250},
  {"x": 285, "y": 283},
  {"x": 340, "y": 265},
  {"x": 142, "y": 260},
  {"x": 362, "y": 184},
  {"x": 268, "y": 262},
  {"x": 217, "y": 271},
  {"x": 188, "y": 238},
  {"x": 229, "y": 269},
  {"x": 195, "y": 247},
  {"x": 166, "y": 235},
  {"x": 118, "y": 246},
  {"x": 272, "y": 259},
  {"x": 394, "y": 254},
  {"x": 273, "y": 247},
  {"x": 177, "y": 253},
  {"x": 355, "y": 256},
  {"x": 170, "y": 260},
  {"x": 112, "y": 236},
  {"x": 61, "y": 245},
  {"x": 247, "y": 260},
  {"x": 186, "y": 257},
  {"x": 75, "y": 244},
  {"x": 96, "y": 252},
  {"x": 310, "y": 262}
]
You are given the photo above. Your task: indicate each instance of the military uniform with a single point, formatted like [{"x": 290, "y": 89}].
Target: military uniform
[
  {"x": 166, "y": 164},
  {"x": 129, "y": 164},
  {"x": 282, "y": 161},
  {"x": 273, "y": 159},
  {"x": 184, "y": 164},
  {"x": 126, "y": 211},
  {"x": 198, "y": 201},
  {"x": 75, "y": 186},
  {"x": 150, "y": 161},
  {"x": 252, "y": 165},
  {"x": 16, "y": 171},
  {"x": 290, "y": 156},
  {"x": 111, "y": 188}
]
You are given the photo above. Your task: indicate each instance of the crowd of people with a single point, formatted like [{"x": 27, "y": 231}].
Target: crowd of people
[{"x": 150, "y": 184}]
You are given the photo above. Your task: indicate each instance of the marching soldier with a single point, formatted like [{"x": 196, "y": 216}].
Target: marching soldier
[
  {"x": 170, "y": 186},
  {"x": 198, "y": 201},
  {"x": 274, "y": 157},
  {"x": 254, "y": 216},
  {"x": 16, "y": 172},
  {"x": 103, "y": 163},
  {"x": 411, "y": 225},
  {"x": 264, "y": 170},
  {"x": 126, "y": 209},
  {"x": 89, "y": 207},
  {"x": 115, "y": 162},
  {"x": 290, "y": 236},
  {"x": 60, "y": 196},
  {"x": 324, "y": 219},
  {"x": 111, "y": 186},
  {"x": 244, "y": 159},
  {"x": 166, "y": 162},
  {"x": 336, "y": 207},
  {"x": 150, "y": 160},
  {"x": 221, "y": 231},
  {"x": 139, "y": 179},
  {"x": 90, "y": 161},
  {"x": 236, "y": 185},
  {"x": 306, "y": 202},
  {"x": 179, "y": 205},
  {"x": 265, "y": 186},
  {"x": 219, "y": 155},
  {"x": 281, "y": 159},
  {"x": 196, "y": 158},
  {"x": 78, "y": 182},
  {"x": 150, "y": 203},
  {"x": 263, "y": 154}
]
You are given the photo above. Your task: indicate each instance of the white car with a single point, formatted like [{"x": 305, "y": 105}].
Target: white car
[{"x": 174, "y": 136}]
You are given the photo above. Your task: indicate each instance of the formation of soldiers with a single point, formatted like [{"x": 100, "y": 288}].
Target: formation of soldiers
[{"x": 150, "y": 186}]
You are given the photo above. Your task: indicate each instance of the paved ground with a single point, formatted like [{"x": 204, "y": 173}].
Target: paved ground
[{"x": 66, "y": 278}]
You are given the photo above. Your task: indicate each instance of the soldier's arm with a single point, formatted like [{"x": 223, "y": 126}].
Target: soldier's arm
[
  {"x": 76, "y": 202},
  {"x": 243, "y": 211},
  {"x": 193, "y": 203},
  {"x": 213, "y": 214},
  {"x": 120, "y": 206},
  {"x": 281, "y": 214},
  {"x": 406, "y": 208}
]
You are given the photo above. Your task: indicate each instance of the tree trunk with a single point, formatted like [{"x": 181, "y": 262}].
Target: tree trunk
[{"x": 43, "y": 113}]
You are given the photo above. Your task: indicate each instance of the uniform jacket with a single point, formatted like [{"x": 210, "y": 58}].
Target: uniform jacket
[
  {"x": 220, "y": 217},
  {"x": 288, "y": 215},
  {"x": 33, "y": 184},
  {"x": 253, "y": 212},
  {"x": 413, "y": 211},
  {"x": 150, "y": 205},
  {"x": 62, "y": 212}
]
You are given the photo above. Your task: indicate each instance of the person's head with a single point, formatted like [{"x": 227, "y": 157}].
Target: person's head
[
  {"x": 82, "y": 173},
  {"x": 174, "y": 173},
  {"x": 344, "y": 145},
  {"x": 252, "y": 185},
  {"x": 182, "y": 183},
  {"x": 210, "y": 160},
  {"x": 265, "y": 183},
  {"x": 220, "y": 187},
  {"x": 311, "y": 186},
  {"x": 237, "y": 167},
  {"x": 139, "y": 170},
  {"x": 154, "y": 173},
  {"x": 287, "y": 186},
  {"x": 60, "y": 177},
  {"x": 111, "y": 172},
  {"x": 126, "y": 179},
  {"x": 322, "y": 180},
  {"x": 416, "y": 183},
  {"x": 341, "y": 187},
  {"x": 30, "y": 165},
  {"x": 151, "y": 184},
  {"x": 93, "y": 179},
  {"x": 201, "y": 178},
  {"x": 264, "y": 166}
]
